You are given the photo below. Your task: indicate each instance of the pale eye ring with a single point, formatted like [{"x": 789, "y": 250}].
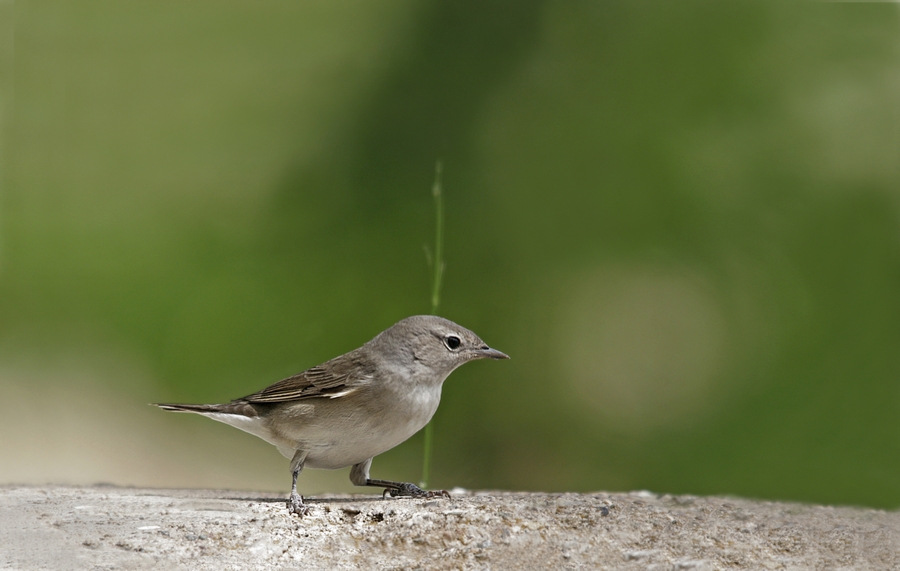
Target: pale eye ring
[{"x": 452, "y": 342}]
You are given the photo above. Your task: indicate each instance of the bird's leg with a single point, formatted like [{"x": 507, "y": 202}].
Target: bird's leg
[
  {"x": 295, "y": 502},
  {"x": 359, "y": 475}
]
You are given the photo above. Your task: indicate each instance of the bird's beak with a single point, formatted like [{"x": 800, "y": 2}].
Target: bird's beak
[{"x": 488, "y": 353}]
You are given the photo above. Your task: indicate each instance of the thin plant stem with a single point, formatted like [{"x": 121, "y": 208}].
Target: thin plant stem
[{"x": 438, "y": 267}]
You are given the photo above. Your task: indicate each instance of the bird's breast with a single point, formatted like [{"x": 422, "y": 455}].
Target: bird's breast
[{"x": 380, "y": 422}]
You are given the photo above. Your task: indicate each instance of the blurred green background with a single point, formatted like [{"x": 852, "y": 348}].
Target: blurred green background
[{"x": 680, "y": 219}]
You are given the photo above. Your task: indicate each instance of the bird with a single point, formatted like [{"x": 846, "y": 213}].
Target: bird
[{"x": 354, "y": 407}]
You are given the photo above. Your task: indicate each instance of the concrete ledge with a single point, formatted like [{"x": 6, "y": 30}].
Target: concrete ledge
[{"x": 107, "y": 527}]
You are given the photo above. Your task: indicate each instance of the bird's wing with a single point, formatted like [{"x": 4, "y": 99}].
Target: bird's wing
[{"x": 333, "y": 379}]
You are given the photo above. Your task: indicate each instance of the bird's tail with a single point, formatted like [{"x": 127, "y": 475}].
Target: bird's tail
[
  {"x": 201, "y": 408},
  {"x": 239, "y": 414},
  {"x": 237, "y": 408}
]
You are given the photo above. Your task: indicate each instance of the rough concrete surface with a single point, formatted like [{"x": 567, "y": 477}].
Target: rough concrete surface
[{"x": 105, "y": 527}]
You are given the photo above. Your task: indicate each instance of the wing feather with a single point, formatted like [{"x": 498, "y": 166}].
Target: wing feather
[{"x": 333, "y": 379}]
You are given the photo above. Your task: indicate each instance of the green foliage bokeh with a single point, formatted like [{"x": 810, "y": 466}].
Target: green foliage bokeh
[{"x": 680, "y": 219}]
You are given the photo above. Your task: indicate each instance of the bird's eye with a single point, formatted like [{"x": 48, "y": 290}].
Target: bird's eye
[{"x": 452, "y": 342}]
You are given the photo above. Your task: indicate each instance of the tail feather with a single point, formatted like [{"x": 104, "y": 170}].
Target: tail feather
[
  {"x": 237, "y": 408},
  {"x": 242, "y": 415}
]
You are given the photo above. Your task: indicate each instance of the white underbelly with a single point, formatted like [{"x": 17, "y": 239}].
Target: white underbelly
[
  {"x": 363, "y": 438},
  {"x": 348, "y": 451}
]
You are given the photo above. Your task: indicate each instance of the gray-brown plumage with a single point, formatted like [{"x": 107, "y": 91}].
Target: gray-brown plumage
[{"x": 348, "y": 410}]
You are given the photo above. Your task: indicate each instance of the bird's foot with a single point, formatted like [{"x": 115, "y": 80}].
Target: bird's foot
[
  {"x": 295, "y": 505},
  {"x": 408, "y": 490}
]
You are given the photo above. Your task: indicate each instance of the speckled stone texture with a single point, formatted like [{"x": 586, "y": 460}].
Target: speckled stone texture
[{"x": 123, "y": 528}]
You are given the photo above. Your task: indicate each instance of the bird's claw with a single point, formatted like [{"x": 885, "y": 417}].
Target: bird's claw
[
  {"x": 408, "y": 490},
  {"x": 295, "y": 505}
]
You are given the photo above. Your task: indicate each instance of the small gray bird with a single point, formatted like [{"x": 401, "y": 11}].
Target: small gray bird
[{"x": 352, "y": 408}]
